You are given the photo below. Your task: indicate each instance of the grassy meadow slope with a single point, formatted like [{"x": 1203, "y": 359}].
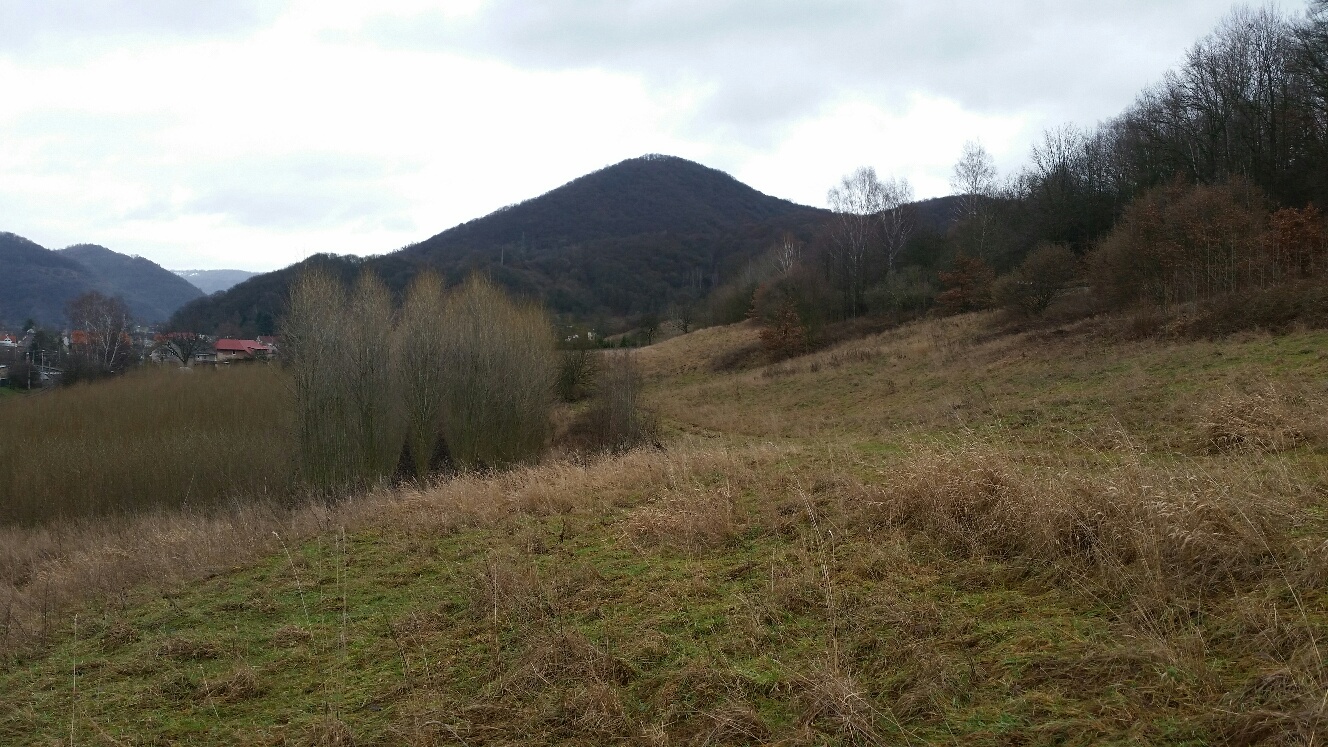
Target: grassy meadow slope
[{"x": 940, "y": 534}]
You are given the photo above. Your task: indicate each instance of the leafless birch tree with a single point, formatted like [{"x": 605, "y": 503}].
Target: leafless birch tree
[
  {"x": 896, "y": 219},
  {"x": 856, "y": 203},
  {"x": 974, "y": 183}
]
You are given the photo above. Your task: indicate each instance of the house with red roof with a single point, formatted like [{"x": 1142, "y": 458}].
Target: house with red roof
[{"x": 228, "y": 350}]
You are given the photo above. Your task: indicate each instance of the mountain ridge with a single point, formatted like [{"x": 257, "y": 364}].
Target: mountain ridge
[
  {"x": 621, "y": 240},
  {"x": 215, "y": 281},
  {"x": 39, "y": 282}
]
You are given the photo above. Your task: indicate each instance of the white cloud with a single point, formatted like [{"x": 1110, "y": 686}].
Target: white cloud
[{"x": 254, "y": 134}]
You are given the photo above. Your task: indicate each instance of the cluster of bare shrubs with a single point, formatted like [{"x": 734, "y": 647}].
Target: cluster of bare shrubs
[
  {"x": 1185, "y": 258},
  {"x": 614, "y": 419},
  {"x": 466, "y": 375},
  {"x": 1180, "y": 243},
  {"x": 577, "y": 370}
]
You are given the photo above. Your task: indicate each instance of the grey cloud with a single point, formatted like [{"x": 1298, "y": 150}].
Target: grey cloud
[
  {"x": 301, "y": 191},
  {"x": 770, "y": 61},
  {"x": 26, "y": 23}
]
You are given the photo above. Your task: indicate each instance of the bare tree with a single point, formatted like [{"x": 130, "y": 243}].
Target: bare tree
[
  {"x": 684, "y": 313},
  {"x": 103, "y": 324},
  {"x": 896, "y": 219},
  {"x": 857, "y": 204},
  {"x": 312, "y": 341},
  {"x": 500, "y": 377},
  {"x": 422, "y": 369},
  {"x": 182, "y": 346},
  {"x": 788, "y": 253},
  {"x": 1313, "y": 57},
  {"x": 367, "y": 365},
  {"x": 1039, "y": 279},
  {"x": 974, "y": 183}
]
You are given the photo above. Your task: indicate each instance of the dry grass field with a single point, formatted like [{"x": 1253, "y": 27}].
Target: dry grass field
[
  {"x": 940, "y": 534},
  {"x": 158, "y": 438}
]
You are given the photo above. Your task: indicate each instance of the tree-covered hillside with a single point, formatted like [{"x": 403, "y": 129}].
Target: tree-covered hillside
[
  {"x": 625, "y": 240},
  {"x": 152, "y": 292},
  {"x": 37, "y": 283}
]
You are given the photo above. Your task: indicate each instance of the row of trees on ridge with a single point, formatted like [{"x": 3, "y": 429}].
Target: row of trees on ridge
[{"x": 1205, "y": 187}]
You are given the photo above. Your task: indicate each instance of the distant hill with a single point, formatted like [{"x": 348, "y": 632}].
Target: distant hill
[
  {"x": 936, "y": 214},
  {"x": 152, "y": 292},
  {"x": 620, "y": 241},
  {"x": 38, "y": 283},
  {"x": 215, "y": 281}
]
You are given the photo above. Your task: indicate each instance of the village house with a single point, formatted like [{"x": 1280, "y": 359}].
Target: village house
[{"x": 229, "y": 350}]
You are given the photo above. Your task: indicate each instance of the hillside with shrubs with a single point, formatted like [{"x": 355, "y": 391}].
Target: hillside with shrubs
[
  {"x": 1051, "y": 469},
  {"x": 1196, "y": 210}
]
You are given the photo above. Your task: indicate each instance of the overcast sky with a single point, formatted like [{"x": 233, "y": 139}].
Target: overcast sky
[{"x": 246, "y": 134}]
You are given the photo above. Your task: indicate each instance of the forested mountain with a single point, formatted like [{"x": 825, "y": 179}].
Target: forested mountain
[
  {"x": 152, "y": 292},
  {"x": 624, "y": 240},
  {"x": 37, "y": 283},
  {"x": 215, "y": 281}
]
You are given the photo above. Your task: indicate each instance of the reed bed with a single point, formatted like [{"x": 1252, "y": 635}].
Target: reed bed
[{"x": 157, "y": 438}]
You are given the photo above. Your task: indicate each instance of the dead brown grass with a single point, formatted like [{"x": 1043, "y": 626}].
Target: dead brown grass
[
  {"x": 890, "y": 576},
  {"x": 832, "y": 698},
  {"x": 45, "y": 571},
  {"x": 697, "y": 351},
  {"x": 1192, "y": 524},
  {"x": 1267, "y": 417},
  {"x": 692, "y": 519}
]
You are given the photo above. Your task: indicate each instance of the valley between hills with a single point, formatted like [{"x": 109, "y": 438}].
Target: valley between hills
[{"x": 948, "y": 532}]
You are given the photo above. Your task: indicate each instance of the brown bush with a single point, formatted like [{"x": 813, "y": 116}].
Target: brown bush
[
  {"x": 616, "y": 421},
  {"x": 1298, "y": 242},
  {"x": 1181, "y": 243},
  {"x": 1032, "y": 286},
  {"x": 785, "y": 336},
  {"x": 967, "y": 286}
]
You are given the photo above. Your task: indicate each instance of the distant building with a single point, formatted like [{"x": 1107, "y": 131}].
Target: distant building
[{"x": 241, "y": 350}]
